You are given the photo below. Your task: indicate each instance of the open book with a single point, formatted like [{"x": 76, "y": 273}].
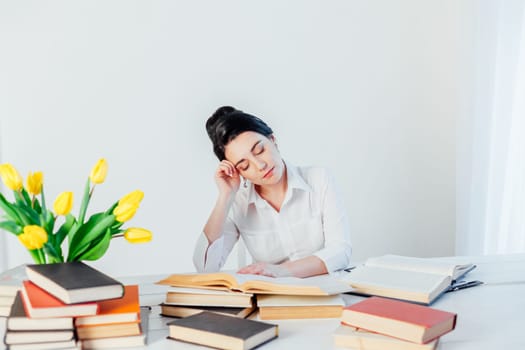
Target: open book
[
  {"x": 420, "y": 280},
  {"x": 317, "y": 285}
]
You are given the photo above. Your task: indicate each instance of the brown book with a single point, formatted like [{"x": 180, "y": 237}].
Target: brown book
[
  {"x": 94, "y": 331},
  {"x": 74, "y": 282},
  {"x": 182, "y": 311},
  {"x": 206, "y": 297},
  {"x": 399, "y": 319},
  {"x": 350, "y": 337},
  {"x": 276, "y": 307},
  {"x": 222, "y": 332}
]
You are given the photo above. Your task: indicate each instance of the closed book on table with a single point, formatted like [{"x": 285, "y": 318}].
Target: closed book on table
[
  {"x": 206, "y": 297},
  {"x": 123, "y": 329},
  {"x": 58, "y": 345},
  {"x": 360, "y": 339},
  {"x": 274, "y": 307},
  {"x": 18, "y": 319},
  {"x": 399, "y": 319},
  {"x": 125, "y": 309},
  {"x": 114, "y": 342},
  {"x": 185, "y": 311},
  {"x": 40, "y": 304},
  {"x": 74, "y": 282},
  {"x": 222, "y": 332},
  {"x": 25, "y": 337}
]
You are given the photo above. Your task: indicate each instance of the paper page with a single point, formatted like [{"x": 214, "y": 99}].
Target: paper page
[{"x": 428, "y": 265}]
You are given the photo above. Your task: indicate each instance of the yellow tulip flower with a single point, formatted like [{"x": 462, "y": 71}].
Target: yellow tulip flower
[
  {"x": 11, "y": 177},
  {"x": 34, "y": 182},
  {"x": 63, "y": 203},
  {"x": 138, "y": 235},
  {"x": 99, "y": 172},
  {"x": 33, "y": 237},
  {"x": 125, "y": 211},
  {"x": 134, "y": 197}
]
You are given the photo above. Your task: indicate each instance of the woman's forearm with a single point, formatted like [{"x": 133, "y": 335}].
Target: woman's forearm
[
  {"x": 214, "y": 225},
  {"x": 306, "y": 267}
]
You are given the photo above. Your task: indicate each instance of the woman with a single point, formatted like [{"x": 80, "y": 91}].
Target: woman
[{"x": 291, "y": 218}]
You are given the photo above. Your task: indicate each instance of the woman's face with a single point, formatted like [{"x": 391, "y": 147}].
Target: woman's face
[{"x": 256, "y": 158}]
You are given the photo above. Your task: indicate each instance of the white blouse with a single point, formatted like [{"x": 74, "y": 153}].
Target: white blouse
[{"x": 312, "y": 221}]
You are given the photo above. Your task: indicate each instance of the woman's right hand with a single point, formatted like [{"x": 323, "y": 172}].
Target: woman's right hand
[{"x": 227, "y": 178}]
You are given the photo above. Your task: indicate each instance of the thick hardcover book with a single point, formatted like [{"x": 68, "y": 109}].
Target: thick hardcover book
[
  {"x": 58, "y": 345},
  {"x": 207, "y": 297},
  {"x": 114, "y": 342},
  {"x": 274, "y": 307},
  {"x": 222, "y": 332},
  {"x": 40, "y": 304},
  {"x": 26, "y": 337},
  {"x": 74, "y": 282},
  {"x": 420, "y": 280},
  {"x": 107, "y": 330},
  {"x": 355, "y": 338},
  {"x": 182, "y": 311},
  {"x": 19, "y": 320},
  {"x": 399, "y": 319},
  {"x": 125, "y": 309},
  {"x": 257, "y": 284}
]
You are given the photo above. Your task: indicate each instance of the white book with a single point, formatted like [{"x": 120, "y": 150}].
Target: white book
[{"x": 414, "y": 279}]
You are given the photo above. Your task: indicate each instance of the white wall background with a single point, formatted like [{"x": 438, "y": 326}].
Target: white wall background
[{"x": 370, "y": 89}]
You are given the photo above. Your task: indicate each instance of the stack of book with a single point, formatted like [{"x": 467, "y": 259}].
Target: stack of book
[
  {"x": 59, "y": 301},
  {"x": 379, "y": 323},
  {"x": 276, "y": 298}
]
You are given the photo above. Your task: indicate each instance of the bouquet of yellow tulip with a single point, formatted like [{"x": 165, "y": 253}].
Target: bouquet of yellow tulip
[{"x": 34, "y": 224}]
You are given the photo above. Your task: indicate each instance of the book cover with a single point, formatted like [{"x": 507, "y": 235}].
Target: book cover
[
  {"x": 63, "y": 281},
  {"x": 274, "y": 307},
  {"x": 19, "y": 320},
  {"x": 221, "y": 331},
  {"x": 206, "y": 297},
  {"x": 40, "y": 304},
  {"x": 182, "y": 311},
  {"x": 125, "y": 309},
  {"x": 399, "y": 319},
  {"x": 355, "y": 338},
  {"x": 257, "y": 284}
]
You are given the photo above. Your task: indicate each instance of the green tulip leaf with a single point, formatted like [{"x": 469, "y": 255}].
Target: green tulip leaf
[
  {"x": 52, "y": 252},
  {"x": 37, "y": 207},
  {"x": 26, "y": 197},
  {"x": 64, "y": 229},
  {"x": 94, "y": 227},
  {"x": 11, "y": 226},
  {"x": 29, "y": 214},
  {"x": 9, "y": 210},
  {"x": 98, "y": 248},
  {"x": 110, "y": 210}
]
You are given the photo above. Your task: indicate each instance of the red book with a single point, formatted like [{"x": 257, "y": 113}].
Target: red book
[
  {"x": 39, "y": 304},
  {"x": 399, "y": 319},
  {"x": 125, "y": 309}
]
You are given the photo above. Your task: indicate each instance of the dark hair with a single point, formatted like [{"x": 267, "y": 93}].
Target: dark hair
[{"x": 227, "y": 123}]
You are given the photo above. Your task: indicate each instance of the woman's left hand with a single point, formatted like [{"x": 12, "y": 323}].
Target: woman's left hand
[{"x": 266, "y": 269}]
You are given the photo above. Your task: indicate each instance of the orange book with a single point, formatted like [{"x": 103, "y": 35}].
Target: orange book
[
  {"x": 399, "y": 319},
  {"x": 125, "y": 309},
  {"x": 38, "y": 303}
]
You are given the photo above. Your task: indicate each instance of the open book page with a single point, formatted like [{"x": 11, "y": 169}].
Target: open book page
[
  {"x": 317, "y": 285},
  {"x": 428, "y": 265},
  {"x": 188, "y": 290},
  {"x": 400, "y": 284}
]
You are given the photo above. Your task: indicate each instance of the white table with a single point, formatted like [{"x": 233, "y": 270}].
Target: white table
[{"x": 490, "y": 316}]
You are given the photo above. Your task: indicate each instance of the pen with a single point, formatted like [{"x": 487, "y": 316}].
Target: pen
[{"x": 463, "y": 285}]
